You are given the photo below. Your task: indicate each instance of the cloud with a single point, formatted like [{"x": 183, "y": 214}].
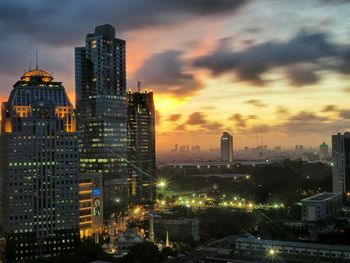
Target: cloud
[
  {"x": 344, "y": 114},
  {"x": 250, "y": 64},
  {"x": 196, "y": 118},
  {"x": 329, "y": 108},
  {"x": 213, "y": 126},
  {"x": 306, "y": 117},
  {"x": 240, "y": 120},
  {"x": 165, "y": 73},
  {"x": 280, "y": 110},
  {"x": 304, "y": 123},
  {"x": 174, "y": 117},
  {"x": 158, "y": 118},
  {"x": 181, "y": 127},
  {"x": 52, "y": 21},
  {"x": 256, "y": 103},
  {"x": 300, "y": 75}
]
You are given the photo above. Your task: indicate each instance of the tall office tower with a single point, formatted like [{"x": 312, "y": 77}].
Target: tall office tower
[
  {"x": 101, "y": 112},
  {"x": 226, "y": 147},
  {"x": 341, "y": 162},
  {"x": 323, "y": 151},
  {"x": 39, "y": 168},
  {"x": 141, "y": 143}
]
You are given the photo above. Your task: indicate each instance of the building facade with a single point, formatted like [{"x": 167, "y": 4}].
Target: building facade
[
  {"x": 341, "y": 162},
  {"x": 101, "y": 112},
  {"x": 91, "y": 204},
  {"x": 141, "y": 144},
  {"x": 321, "y": 206},
  {"x": 178, "y": 229},
  {"x": 226, "y": 147},
  {"x": 291, "y": 251},
  {"x": 323, "y": 154},
  {"x": 39, "y": 168}
]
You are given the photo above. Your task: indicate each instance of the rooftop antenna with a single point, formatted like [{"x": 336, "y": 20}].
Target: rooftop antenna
[
  {"x": 36, "y": 59},
  {"x": 139, "y": 86},
  {"x": 261, "y": 131}
]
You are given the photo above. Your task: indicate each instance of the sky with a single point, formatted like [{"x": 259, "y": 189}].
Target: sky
[{"x": 272, "y": 72}]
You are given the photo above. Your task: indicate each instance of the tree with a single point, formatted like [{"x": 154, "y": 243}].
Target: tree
[{"x": 143, "y": 253}]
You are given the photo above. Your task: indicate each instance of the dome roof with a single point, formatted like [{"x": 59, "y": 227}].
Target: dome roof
[{"x": 37, "y": 75}]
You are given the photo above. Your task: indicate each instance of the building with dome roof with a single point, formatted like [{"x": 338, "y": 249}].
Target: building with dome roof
[{"x": 39, "y": 168}]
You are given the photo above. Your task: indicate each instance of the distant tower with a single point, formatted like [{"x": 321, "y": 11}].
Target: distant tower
[
  {"x": 226, "y": 147},
  {"x": 323, "y": 151},
  {"x": 151, "y": 229},
  {"x": 167, "y": 242}
]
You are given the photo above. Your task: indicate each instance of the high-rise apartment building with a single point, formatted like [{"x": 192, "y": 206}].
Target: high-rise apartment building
[
  {"x": 141, "y": 144},
  {"x": 341, "y": 162},
  {"x": 226, "y": 147},
  {"x": 39, "y": 168},
  {"x": 101, "y": 112}
]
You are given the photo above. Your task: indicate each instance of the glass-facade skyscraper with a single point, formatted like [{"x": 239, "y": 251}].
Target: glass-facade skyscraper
[
  {"x": 101, "y": 112},
  {"x": 39, "y": 169},
  {"x": 141, "y": 144},
  {"x": 226, "y": 147}
]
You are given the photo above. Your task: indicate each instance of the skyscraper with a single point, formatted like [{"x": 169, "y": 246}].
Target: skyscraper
[
  {"x": 141, "y": 143},
  {"x": 227, "y": 147},
  {"x": 101, "y": 112},
  {"x": 341, "y": 162},
  {"x": 39, "y": 168}
]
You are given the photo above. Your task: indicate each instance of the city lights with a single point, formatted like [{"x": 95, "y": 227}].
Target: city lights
[{"x": 161, "y": 184}]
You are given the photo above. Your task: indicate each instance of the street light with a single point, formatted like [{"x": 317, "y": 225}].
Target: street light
[
  {"x": 272, "y": 252},
  {"x": 161, "y": 184}
]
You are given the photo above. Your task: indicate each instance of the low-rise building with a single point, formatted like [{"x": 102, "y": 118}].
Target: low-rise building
[
  {"x": 308, "y": 252},
  {"x": 321, "y": 206},
  {"x": 91, "y": 204},
  {"x": 179, "y": 229}
]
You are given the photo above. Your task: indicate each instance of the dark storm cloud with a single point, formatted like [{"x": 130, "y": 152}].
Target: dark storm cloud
[
  {"x": 164, "y": 72},
  {"x": 252, "y": 63},
  {"x": 59, "y": 21},
  {"x": 53, "y": 25}
]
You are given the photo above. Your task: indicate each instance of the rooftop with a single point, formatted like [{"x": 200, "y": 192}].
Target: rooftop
[
  {"x": 322, "y": 197},
  {"x": 37, "y": 75}
]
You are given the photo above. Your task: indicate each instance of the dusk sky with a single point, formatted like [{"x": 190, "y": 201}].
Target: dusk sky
[{"x": 214, "y": 65}]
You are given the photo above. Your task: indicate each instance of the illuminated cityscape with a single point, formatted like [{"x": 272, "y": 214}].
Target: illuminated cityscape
[{"x": 185, "y": 131}]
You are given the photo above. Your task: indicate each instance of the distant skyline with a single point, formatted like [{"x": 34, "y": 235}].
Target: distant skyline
[{"x": 214, "y": 66}]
